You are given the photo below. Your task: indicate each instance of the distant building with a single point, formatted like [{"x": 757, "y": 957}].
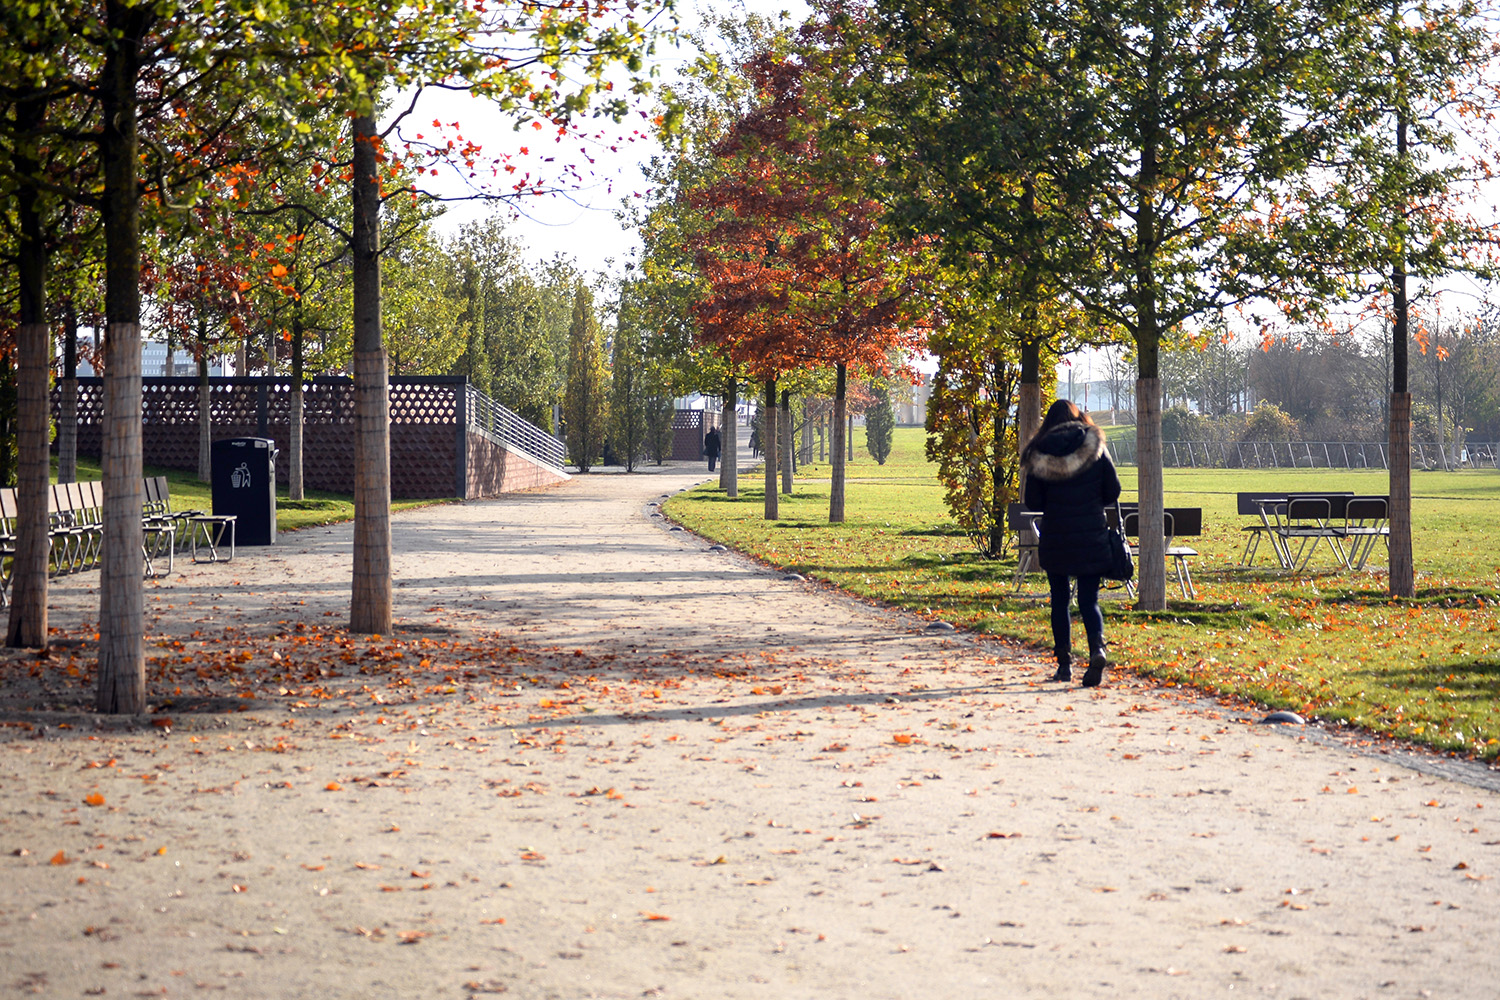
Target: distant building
[
  {"x": 154, "y": 362},
  {"x": 913, "y": 411}
]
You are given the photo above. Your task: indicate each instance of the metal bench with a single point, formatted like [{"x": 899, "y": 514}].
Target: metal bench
[{"x": 1177, "y": 522}]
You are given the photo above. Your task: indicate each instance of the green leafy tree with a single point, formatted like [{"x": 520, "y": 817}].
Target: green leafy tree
[
  {"x": 629, "y": 408},
  {"x": 880, "y": 424},
  {"x": 585, "y": 409},
  {"x": 1416, "y": 110}
]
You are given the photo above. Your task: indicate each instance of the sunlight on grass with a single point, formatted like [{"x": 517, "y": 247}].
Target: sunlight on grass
[{"x": 1330, "y": 644}]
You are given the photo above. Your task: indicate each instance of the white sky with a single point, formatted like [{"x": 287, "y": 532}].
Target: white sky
[{"x": 583, "y": 224}]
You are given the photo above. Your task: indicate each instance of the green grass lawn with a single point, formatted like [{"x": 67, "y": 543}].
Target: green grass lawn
[
  {"x": 188, "y": 492},
  {"x": 1330, "y": 644}
]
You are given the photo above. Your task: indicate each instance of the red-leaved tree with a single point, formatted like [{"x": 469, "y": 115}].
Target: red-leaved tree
[{"x": 801, "y": 269}]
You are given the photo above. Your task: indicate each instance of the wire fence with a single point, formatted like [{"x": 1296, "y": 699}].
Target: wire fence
[
  {"x": 1310, "y": 454},
  {"x": 512, "y": 429}
]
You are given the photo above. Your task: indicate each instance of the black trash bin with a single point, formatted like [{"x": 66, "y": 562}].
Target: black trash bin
[{"x": 244, "y": 484}]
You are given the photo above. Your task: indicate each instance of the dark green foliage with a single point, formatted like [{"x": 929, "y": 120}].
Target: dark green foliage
[{"x": 880, "y": 421}]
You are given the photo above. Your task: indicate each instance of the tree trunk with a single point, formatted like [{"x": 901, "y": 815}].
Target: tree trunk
[
  {"x": 67, "y": 411},
  {"x": 785, "y": 442},
  {"x": 1028, "y": 418},
  {"x": 294, "y": 489},
  {"x": 28, "y": 591},
  {"x": 122, "y": 600},
  {"x": 729, "y": 442},
  {"x": 205, "y": 418},
  {"x": 839, "y": 472},
  {"x": 1151, "y": 568},
  {"x": 1403, "y": 576},
  {"x": 804, "y": 448},
  {"x": 370, "y": 603},
  {"x": 768, "y": 447}
]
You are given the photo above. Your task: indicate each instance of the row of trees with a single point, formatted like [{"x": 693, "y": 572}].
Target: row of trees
[
  {"x": 200, "y": 145},
  {"x": 1050, "y": 174},
  {"x": 1336, "y": 387}
]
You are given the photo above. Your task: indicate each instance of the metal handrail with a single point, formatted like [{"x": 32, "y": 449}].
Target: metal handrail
[
  {"x": 1311, "y": 454},
  {"x": 512, "y": 429}
]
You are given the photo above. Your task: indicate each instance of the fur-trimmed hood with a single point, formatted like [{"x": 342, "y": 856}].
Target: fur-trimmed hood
[{"x": 1064, "y": 451}]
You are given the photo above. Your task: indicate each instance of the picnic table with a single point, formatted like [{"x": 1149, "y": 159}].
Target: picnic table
[{"x": 1314, "y": 521}]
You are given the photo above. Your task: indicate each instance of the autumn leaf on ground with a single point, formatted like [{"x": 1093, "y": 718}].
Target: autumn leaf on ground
[
  {"x": 334, "y": 786},
  {"x": 94, "y": 800},
  {"x": 60, "y": 859},
  {"x": 412, "y": 937},
  {"x": 532, "y": 856},
  {"x": 648, "y": 915},
  {"x": 497, "y": 920},
  {"x": 902, "y": 738}
]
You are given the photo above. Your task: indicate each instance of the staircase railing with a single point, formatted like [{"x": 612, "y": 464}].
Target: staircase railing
[{"x": 512, "y": 429}]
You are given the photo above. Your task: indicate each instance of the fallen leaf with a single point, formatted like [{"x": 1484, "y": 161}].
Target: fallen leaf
[
  {"x": 60, "y": 859},
  {"x": 648, "y": 915},
  {"x": 94, "y": 800},
  {"x": 904, "y": 739},
  {"x": 334, "y": 786}
]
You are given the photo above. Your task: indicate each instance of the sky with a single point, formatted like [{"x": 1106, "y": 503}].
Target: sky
[{"x": 584, "y": 224}]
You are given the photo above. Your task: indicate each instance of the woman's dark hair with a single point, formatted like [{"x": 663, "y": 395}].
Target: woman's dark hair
[{"x": 1061, "y": 412}]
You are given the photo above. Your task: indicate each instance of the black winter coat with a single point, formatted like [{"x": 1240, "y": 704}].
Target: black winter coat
[{"x": 1070, "y": 479}]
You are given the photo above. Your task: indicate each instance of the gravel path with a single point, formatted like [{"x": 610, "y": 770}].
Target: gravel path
[{"x": 600, "y": 760}]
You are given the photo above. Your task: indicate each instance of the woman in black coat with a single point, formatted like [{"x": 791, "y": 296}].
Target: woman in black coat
[{"x": 1070, "y": 480}]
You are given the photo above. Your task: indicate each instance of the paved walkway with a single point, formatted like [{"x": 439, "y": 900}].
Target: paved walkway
[{"x": 600, "y": 760}]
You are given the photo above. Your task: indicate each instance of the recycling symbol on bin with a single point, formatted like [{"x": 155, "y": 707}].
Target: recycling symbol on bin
[{"x": 240, "y": 478}]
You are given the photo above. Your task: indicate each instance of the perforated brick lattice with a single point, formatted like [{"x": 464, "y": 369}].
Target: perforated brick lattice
[{"x": 425, "y": 458}]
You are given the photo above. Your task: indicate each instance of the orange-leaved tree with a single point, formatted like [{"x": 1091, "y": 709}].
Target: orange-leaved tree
[{"x": 801, "y": 268}]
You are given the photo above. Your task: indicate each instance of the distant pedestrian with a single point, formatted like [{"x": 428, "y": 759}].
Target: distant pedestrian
[
  {"x": 711, "y": 447},
  {"x": 1070, "y": 479},
  {"x": 755, "y": 436}
]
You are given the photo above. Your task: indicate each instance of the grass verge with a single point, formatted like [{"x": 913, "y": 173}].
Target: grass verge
[{"x": 1330, "y": 644}]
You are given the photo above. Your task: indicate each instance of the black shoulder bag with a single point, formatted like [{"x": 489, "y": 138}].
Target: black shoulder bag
[{"x": 1121, "y": 565}]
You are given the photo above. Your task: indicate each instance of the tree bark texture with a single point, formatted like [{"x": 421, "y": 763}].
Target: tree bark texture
[
  {"x": 1028, "y": 419},
  {"x": 768, "y": 445},
  {"x": 295, "y": 489},
  {"x": 28, "y": 593},
  {"x": 122, "y": 598},
  {"x": 729, "y": 438},
  {"x": 839, "y": 458},
  {"x": 67, "y": 411},
  {"x": 28, "y": 589},
  {"x": 370, "y": 601},
  {"x": 1151, "y": 568},
  {"x": 205, "y": 421},
  {"x": 786, "y": 442},
  {"x": 122, "y": 592},
  {"x": 1403, "y": 576}
]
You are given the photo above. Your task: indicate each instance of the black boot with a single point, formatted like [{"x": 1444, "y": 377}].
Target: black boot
[
  {"x": 1064, "y": 666},
  {"x": 1098, "y": 660}
]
